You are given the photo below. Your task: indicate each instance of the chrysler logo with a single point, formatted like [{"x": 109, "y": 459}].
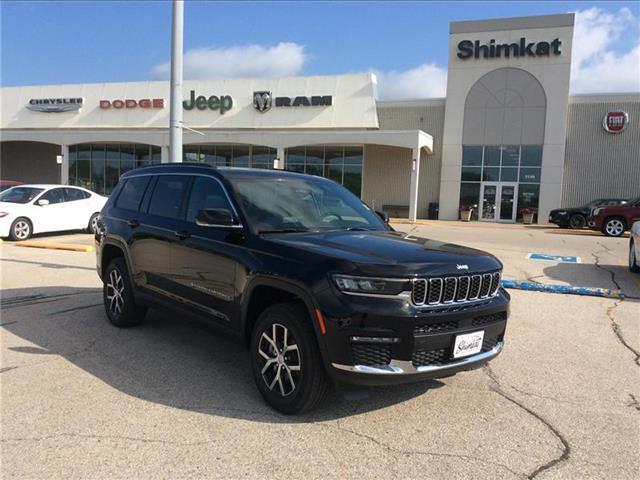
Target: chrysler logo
[
  {"x": 262, "y": 101},
  {"x": 55, "y": 105}
]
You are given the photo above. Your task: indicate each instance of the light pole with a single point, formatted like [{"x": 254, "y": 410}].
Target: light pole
[{"x": 175, "y": 113}]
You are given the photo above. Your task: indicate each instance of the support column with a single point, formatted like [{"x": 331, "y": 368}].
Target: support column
[
  {"x": 413, "y": 190},
  {"x": 280, "y": 157},
  {"x": 64, "y": 168},
  {"x": 164, "y": 154}
]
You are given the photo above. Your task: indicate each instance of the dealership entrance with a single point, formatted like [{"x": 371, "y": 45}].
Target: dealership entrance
[{"x": 498, "y": 201}]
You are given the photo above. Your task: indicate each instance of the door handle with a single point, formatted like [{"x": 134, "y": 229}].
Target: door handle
[
  {"x": 182, "y": 234},
  {"x": 133, "y": 223}
]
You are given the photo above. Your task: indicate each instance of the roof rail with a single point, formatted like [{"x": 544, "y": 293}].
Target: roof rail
[{"x": 190, "y": 164}]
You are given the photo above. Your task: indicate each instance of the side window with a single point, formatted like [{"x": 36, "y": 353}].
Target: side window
[
  {"x": 73, "y": 194},
  {"x": 205, "y": 193},
  {"x": 132, "y": 192},
  {"x": 54, "y": 196},
  {"x": 167, "y": 196}
]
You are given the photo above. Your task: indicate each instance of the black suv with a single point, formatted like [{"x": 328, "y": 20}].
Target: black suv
[{"x": 314, "y": 281}]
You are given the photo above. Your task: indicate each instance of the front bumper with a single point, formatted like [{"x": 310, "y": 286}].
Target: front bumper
[{"x": 423, "y": 343}]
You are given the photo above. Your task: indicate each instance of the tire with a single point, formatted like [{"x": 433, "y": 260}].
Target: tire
[
  {"x": 613, "y": 227},
  {"x": 21, "y": 229},
  {"x": 92, "y": 227},
  {"x": 117, "y": 295},
  {"x": 294, "y": 380},
  {"x": 634, "y": 266},
  {"x": 577, "y": 221},
  {"x": 563, "y": 225}
]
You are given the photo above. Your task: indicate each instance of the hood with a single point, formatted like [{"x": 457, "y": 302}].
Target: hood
[
  {"x": 11, "y": 207},
  {"x": 391, "y": 253}
]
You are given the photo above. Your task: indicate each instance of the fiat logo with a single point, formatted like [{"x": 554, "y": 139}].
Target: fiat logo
[{"x": 615, "y": 122}]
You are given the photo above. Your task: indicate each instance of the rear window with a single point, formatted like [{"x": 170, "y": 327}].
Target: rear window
[
  {"x": 168, "y": 195},
  {"x": 72, "y": 194},
  {"x": 132, "y": 192}
]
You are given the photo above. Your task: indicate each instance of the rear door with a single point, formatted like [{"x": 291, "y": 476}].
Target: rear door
[
  {"x": 154, "y": 244},
  {"x": 79, "y": 207},
  {"x": 206, "y": 257},
  {"x": 53, "y": 216}
]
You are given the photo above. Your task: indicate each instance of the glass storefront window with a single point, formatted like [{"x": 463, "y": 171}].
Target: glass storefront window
[
  {"x": 334, "y": 158},
  {"x": 471, "y": 156},
  {"x": 315, "y": 161},
  {"x": 263, "y": 157},
  {"x": 528, "y": 197},
  {"x": 490, "y": 174},
  {"x": 470, "y": 196},
  {"x": 190, "y": 153},
  {"x": 531, "y": 156},
  {"x": 508, "y": 174},
  {"x": 510, "y": 156},
  {"x": 224, "y": 155},
  {"x": 530, "y": 175},
  {"x": 241, "y": 156},
  {"x": 98, "y": 157},
  {"x": 491, "y": 156},
  {"x": 471, "y": 174},
  {"x": 73, "y": 165}
]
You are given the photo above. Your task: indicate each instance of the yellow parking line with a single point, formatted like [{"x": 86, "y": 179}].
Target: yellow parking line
[{"x": 74, "y": 247}]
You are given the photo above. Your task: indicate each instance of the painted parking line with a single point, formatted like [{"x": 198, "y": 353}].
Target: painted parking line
[
  {"x": 563, "y": 289},
  {"x": 74, "y": 247},
  {"x": 553, "y": 258}
]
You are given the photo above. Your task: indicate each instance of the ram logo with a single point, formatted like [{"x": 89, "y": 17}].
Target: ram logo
[
  {"x": 462, "y": 267},
  {"x": 262, "y": 101}
]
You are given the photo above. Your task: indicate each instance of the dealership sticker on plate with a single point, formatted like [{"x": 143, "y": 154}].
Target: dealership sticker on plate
[
  {"x": 553, "y": 258},
  {"x": 468, "y": 344}
]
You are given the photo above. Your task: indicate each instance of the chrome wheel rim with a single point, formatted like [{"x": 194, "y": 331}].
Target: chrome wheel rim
[
  {"x": 632, "y": 256},
  {"x": 615, "y": 227},
  {"x": 280, "y": 360},
  {"x": 94, "y": 224},
  {"x": 115, "y": 292},
  {"x": 21, "y": 230}
]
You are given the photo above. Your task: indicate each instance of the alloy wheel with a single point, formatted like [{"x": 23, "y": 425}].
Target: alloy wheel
[
  {"x": 22, "y": 229},
  {"x": 614, "y": 227},
  {"x": 94, "y": 224},
  {"x": 577, "y": 221},
  {"x": 115, "y": 292},
  {"x": 632, "y": 256},
  {"x": 281, "y": 359}
]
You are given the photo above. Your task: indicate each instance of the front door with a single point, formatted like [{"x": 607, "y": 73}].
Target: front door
[{"x": 498, "y": 202}]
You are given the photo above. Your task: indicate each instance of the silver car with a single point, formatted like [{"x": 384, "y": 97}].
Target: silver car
[{"x": 634, "y": 248}]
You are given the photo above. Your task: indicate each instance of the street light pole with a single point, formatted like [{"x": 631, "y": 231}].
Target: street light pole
[{"x": 175, "y": 114}]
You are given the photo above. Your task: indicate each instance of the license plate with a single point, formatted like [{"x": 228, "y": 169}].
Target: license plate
[{"x": 468, "y": 344}]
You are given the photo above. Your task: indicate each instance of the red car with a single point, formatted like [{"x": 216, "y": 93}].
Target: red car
[
  {"x": 614, "y": 220},
  {"x": 5, "y": 184}
]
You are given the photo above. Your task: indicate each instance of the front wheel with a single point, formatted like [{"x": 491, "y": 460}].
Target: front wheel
[
  {"x": 577, "y": 221},
  {"x": 21, "y": 229},
  {"x": 633, "y": 260},
  {"x": 613, "y": 227},
  {"x": 117, "y": 296},
  {"x": 286, "y": 361}
]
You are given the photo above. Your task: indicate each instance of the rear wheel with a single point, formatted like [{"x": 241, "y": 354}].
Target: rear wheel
[
  {"x": 93, "y": 223},
  {"x": 577, "y": 221},
  {"x": 118, "y": 296},
  {"x": 613, "y": 227},
  {"x": 633, "y": 260},
  {"x": 286, "y": 361},
  {"x": 21, "y": 229}
]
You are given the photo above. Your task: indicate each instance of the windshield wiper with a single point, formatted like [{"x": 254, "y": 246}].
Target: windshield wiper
[
  {"x": 285, "y": 230},
  {"x": 358, "y": 229}
]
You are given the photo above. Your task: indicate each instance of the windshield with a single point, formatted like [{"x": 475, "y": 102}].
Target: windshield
[
  {"x": 295, "y": 204},
  {"x": 20, "y": 194}
]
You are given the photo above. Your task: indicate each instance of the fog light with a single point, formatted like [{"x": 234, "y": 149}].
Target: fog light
[{"x": 375, "y": 339}]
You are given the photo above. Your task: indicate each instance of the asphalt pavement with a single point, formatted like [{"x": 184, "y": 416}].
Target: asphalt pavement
[{"x": 174, "y": 399}]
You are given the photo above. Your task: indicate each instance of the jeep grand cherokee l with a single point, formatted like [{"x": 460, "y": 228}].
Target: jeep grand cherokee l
[{"x": 317, "y": 285}]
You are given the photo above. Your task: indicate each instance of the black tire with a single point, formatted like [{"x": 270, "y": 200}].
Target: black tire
[
  {"x": 614, "y": 226},
  {"x": 120, "y": 308},
  {"x": 563, "y": 225},
  {"x": 634, "y": 264},
  {"x": 577, "y": 221},
  {"x": 21, "y": 229},
  {"x": 93, "y": 223},
  {"x": 299, "y": 390}
]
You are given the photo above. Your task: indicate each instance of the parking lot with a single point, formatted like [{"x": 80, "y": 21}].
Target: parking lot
[{"x": 173, "y": 399}]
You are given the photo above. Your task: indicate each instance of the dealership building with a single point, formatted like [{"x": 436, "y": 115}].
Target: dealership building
[{"x": 508, "y": 136}]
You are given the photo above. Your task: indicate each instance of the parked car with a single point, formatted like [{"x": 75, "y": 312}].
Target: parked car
[
  {"x": 613, "y": 221},
  {"x": 577, "y": 217},
  {"x": 634, "y": 248},
  {"x": 6, "y": 184},
  {"x": 29, "y": 209},
  {"x": 316, "y": 284}
]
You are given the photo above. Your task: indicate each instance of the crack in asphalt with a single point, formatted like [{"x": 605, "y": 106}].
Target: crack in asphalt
[
  {"x": 28, "y": 300},
  {"x": 566, "y": 448},
  {"x": 6, "y": 369},
  {"x": 634, "y": 402},
  {"x": 75, "y": 309},
  {"x": 616, "y": 330}
]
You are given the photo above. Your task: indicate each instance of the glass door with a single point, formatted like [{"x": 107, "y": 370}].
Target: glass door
[
  {"x": 508, "y": 195},
  {"x": 498, "y": 202},
  {"x": 488, "y": 202}
]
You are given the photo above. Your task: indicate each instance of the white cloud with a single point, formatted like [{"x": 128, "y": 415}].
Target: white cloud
[
  {"x": 249, "y": 61},
  {"x": 424, "y": 81},
  {"x": 600, "y": 62}
]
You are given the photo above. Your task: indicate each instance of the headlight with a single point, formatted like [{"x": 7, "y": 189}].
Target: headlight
[
  {"x": 370, "y": 285},
  {"x": 3, "y": 214}
]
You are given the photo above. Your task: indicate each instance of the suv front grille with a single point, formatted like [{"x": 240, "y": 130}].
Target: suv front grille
[
  {"x": 429, "y": 357},
  {"x": 449, "y": 290},
  {"x": 371, "y": 355}
]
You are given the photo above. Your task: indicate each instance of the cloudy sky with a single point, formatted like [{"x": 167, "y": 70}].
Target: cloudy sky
[{"x": 405, "y": 44}]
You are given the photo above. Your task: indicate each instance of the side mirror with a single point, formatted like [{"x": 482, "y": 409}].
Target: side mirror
[
  {"x": 216, "y": 217},
  {"x": 383, "y": 215},
  {"x": 43, "y": 201}
]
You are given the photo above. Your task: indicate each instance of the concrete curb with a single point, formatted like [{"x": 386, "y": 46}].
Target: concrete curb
[
  {"x": 55, "y": 246},
  {"x": 564, "y": 289}
]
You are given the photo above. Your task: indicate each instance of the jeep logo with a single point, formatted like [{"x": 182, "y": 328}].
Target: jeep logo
[
  {"x": 223, "y": 103},
  {"x": 462, "y": 267}
]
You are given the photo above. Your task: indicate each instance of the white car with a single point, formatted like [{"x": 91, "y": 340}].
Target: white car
[
  {"x": 634, "y": 248},
  {"x": 29, "y": 209}
]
